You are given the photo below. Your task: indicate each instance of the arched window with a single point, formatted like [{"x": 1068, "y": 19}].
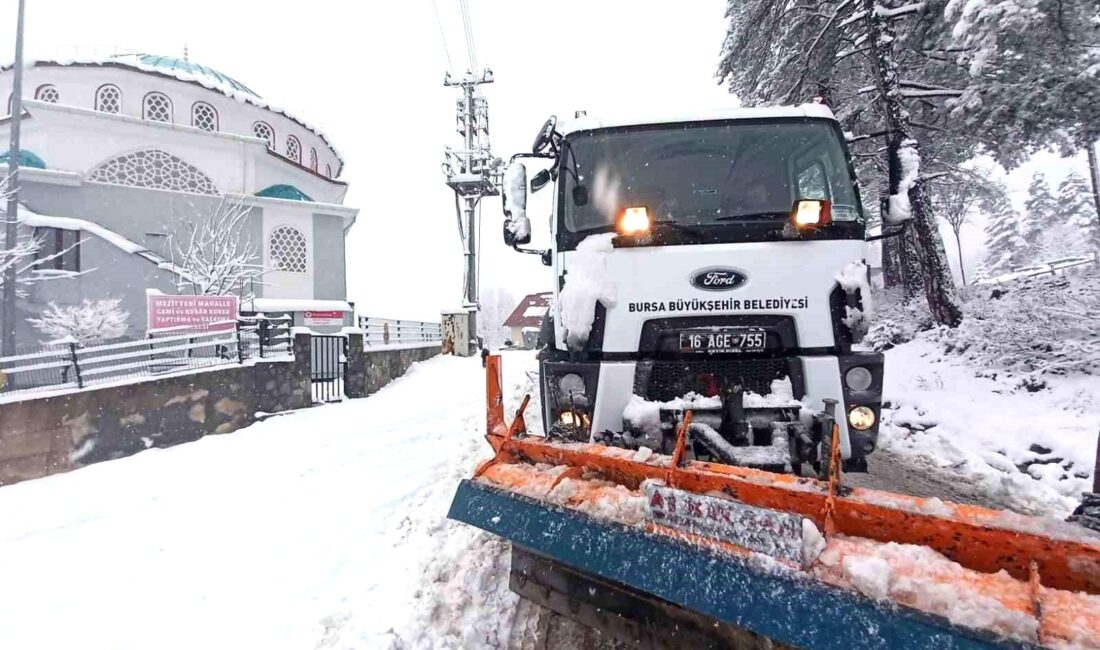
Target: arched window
[
  {"x": 328, "y": 170},
  {"x": 287, "y": 250},
  {"x": 264, "y": 130},
  {"x": 157, "y": 107},
  {"x": 293, "y": 149},
  {"x": 313, "y": 158},
  {"x": 203, "y": 116},
  {"x": 154, "y": 169},
  {"x": 108, "y": 99},
  {"x": 47, "y": 93}
]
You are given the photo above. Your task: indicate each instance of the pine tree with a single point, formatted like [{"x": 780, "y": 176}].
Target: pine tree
[
  {"x": 1006, "y": 248},
  {"x": 1077, "y": 209},
  {"x": 1041, "y": 215}
]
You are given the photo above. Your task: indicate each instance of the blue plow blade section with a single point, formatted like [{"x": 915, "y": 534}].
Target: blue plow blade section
[{"x": 781, "y": 605}]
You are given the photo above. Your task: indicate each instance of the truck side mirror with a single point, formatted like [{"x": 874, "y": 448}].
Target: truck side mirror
[
  {"x": 517, "y": 227},
  {"x": 540, "y": 180}
]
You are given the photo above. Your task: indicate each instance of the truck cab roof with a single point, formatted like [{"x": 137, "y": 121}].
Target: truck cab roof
[{"x": 587, "y": 123}]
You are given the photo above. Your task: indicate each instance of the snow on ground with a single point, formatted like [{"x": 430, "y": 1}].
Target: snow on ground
[
  {"x": 983, "y": 427},
  {"x": 305, "y": 530}
]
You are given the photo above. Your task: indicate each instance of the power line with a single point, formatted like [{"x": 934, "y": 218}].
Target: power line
[
  {"x": 467, "y": 23},
  {"x": 443, "y": 37}
]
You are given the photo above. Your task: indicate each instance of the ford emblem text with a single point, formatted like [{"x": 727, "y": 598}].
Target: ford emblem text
[{"x": 718, "y": 278}]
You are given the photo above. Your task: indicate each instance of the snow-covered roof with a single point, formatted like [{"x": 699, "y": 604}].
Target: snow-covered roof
[
  {"x": 586, "y": 123},
  {"x": 183, "y": 71},
  {"x": 32, "y": 219},
  {"x": 530, "y": 311}
]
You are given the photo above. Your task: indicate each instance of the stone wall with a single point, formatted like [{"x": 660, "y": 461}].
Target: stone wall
[
  {"x": 369, "y": 370},
  {"x": 49, "y": 435}
]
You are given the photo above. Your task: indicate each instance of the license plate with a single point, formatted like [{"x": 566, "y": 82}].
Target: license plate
[{"x": 735, "y": 340}]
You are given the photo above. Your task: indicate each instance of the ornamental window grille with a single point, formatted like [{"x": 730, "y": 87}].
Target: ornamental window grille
[
  {"x": 287, "y": 249},
  {"x": 154, "y": 169},
  {"x": 48, "y": 94},
  {"x": 293, "y": 149},
  {"x": 108, "y": 99},
  {"x": 158, "y": 108},
  {"x": 264, "y": 130},
  {"x": 313, "y": 158},
  {"x": 204, "y": 116}
]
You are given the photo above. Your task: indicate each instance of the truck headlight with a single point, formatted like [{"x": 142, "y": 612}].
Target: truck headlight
[
  {"x": 858, "y": 379},
  {"x": 808, "y": 214},
  {"x": 861, "y": 418}
]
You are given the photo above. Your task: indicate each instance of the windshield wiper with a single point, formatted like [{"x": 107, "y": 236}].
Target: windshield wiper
[
  {"x": 675, "y": 225},
  {"x": 752, "y": 217}
]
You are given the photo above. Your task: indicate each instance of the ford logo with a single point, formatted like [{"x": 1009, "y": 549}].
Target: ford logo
[{"x": 718, "y": 278}]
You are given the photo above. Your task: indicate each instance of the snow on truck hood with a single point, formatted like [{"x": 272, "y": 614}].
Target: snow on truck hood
[{"x": 701, "y": 115}]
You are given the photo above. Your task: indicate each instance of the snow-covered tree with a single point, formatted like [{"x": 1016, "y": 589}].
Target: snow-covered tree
[
  {"x": 1030, "y": 68},
  {"x": 1006, "y": 248},
  {"x": 1041, "y": 210},
  {"x": 495, "y": 304},
  {"x": 215, "y": 255},
  {"x": 847, "y": 53},
  {"x": 91, "y": 320},
  {"x": 956, "y": 199},
  {"x": 1077, "y": 208}
]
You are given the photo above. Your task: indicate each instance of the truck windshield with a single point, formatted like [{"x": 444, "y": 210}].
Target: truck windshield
[{"x": 704, "y": 174}]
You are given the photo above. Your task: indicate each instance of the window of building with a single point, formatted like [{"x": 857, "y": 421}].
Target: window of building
[
  {"x": 293, "y": 149},
  {"x": 154, "y": 169},
  {"x": 203, "y": 116},
  {"x": 264, "y": 130},
  {"x": 108, "y": 99},
  {"x": 157, "y": 108},
  {"x": 287, "y": 249},
  {"x": 313, "y": 158},
  {"x": 47, "y": 93},
  {"x": 328, "y": 170},
  {"x": 60, "y": 250}
]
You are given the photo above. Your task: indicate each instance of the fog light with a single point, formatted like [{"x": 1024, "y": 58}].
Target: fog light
[
  {"x": 861, "y": 418},
  {"x": 858, "y": 379}
]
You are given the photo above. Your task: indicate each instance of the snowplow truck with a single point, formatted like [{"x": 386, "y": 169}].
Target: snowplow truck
[
  {"x": 714, "y": 263},
  {"x": 697, "y": 367}
]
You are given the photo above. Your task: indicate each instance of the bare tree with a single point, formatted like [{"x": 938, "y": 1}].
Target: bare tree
[
  {"x": 955, "y": 198},
  {"x": 215, "y": 255},
  {"x": 26, "y": 258}
]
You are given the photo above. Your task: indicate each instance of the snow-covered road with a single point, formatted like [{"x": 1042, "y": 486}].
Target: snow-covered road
[
  {"x": 327, "y": 528},
  {"x": 306, "y": 530}
]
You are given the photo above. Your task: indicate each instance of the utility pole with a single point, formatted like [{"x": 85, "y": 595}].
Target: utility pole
[
  {"x": 472, "y": 173},
  {"x": 11, "y": 225}
]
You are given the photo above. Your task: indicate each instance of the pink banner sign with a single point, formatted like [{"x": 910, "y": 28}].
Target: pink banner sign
[{"x": 212, "y": 313}]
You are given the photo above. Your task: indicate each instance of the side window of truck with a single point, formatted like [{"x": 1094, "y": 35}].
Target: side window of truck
[{"x": 813, "y": 182}]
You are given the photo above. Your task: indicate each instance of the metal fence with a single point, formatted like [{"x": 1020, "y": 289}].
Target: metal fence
[
  {"x": 388, "y": 331},
  {"x": 72, "y": 365}
]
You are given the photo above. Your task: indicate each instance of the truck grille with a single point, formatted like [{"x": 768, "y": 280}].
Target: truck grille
[{"x": 666, "y": 380}]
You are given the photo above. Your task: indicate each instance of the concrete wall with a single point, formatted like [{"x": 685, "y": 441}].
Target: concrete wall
[{"x": 49, "y": 435}]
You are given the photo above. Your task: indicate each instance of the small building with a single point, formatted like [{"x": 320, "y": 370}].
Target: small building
[
  {"x": 525, "y": 320},
  {"x": 124, "y": 155}
]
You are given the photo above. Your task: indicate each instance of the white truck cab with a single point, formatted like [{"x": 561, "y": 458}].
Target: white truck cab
[{"x": 712, "y": 263}]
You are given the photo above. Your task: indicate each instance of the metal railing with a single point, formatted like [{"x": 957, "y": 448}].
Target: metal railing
[
  {"x": 388, "y": 331},
  {"x": 70, "y": 365},
  {"x": 1052, "y": 267}
]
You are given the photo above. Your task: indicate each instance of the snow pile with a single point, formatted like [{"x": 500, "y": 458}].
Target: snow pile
[
  {"x": 645, "y": 415},
  {"x": 1031, "y": 450},
  {"x": 900, "y": 209},
  {"x": 920, "y": 577},
  {"x": 320, "y": 528},
  {"x": 781, "y": 396},
  {"x": 586, "y": 283}
]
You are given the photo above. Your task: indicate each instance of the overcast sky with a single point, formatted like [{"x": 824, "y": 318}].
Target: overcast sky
[{"x": 370, "y": 75}]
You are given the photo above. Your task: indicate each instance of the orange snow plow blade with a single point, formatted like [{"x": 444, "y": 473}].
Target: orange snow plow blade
[
  {"x": 975, "y": 537},
  {"x": 1048, "y": 593}
]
